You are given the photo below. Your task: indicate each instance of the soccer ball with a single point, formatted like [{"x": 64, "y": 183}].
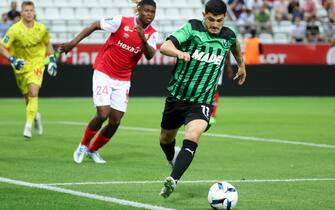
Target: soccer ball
[{"x": 222, "y": 195}]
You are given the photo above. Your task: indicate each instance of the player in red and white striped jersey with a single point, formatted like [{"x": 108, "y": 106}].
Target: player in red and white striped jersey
[{"x": 130, "y": 38}]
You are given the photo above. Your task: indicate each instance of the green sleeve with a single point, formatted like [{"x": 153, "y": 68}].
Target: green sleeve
[
  {"x": 181, "y": 35},
  {"x": 232, "y": 39}
]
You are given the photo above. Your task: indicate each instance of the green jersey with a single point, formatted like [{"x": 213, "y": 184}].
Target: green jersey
[{"x": 196, "y": 80}]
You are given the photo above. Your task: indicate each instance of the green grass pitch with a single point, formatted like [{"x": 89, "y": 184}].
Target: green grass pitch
[{"x": 279, "y": 152}]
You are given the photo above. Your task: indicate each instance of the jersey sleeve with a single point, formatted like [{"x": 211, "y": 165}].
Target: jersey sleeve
[
  {"x": 111, "y": 24},
  {"x": 233, "y": 37},
  {"x": 46, "y": 37},
  {"x": 152, "y": 41},
  {"x": 8, "y": 39},
  {"x": 181, "y": 35}
]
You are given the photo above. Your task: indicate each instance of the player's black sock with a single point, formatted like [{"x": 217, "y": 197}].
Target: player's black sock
[
  {"x": 168, "y": 149},
  {"x": 184, "y": 158}
]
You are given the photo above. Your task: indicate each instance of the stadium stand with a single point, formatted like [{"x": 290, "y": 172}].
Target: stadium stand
[{"x": 65, "y": 18}]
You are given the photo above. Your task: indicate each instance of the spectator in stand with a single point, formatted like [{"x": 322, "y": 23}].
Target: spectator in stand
[
  {"x": 14, "y": 15},
  {"x": 294, "y": 10},
  {"x": 269, "y": 3},
  {"x": 254, "y": 5},
  {"x": 280, "y": 10},
  {"x": 298, "y": 31},
  {"x": 236, "y": 6},
  {"x": 328, "y": 5},
  {"x": 309, "y": 9},
  {"x": 246, "y": 21},
  {"x": 4, "y": 25},
  {"x": 329, "y": 28},
  {"x": 292, "y": 5},
  {"x": 263, "y": 20},
  {"x": 313, "y": 31}
]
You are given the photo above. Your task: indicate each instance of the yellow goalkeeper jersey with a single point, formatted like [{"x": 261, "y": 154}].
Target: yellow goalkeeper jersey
[{"x": 29, "y": 44}]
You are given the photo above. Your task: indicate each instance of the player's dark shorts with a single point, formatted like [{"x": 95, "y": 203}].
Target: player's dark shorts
[{"x": 177, "y": 113}]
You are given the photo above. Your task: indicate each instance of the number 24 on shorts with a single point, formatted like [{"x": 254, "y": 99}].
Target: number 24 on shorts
[{"x": 101, "y": 90}]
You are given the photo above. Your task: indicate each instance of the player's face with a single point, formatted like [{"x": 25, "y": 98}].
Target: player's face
[
  {"x": 28, "y": 13},
  {"x": 147, "y": 14},
  {"x": 213, "y": 23}
]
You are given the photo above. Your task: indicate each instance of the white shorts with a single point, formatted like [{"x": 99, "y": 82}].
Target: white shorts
[{"x": 110, "y": 92}]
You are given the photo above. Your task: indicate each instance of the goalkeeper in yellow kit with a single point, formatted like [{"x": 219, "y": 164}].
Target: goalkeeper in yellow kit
[{"x": 26, "y": 45}]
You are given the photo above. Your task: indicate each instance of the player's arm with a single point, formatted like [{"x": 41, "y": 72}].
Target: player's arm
[
  {"x": 52, "y": 66},
  {"x": 241, "y": 73},
  {"x": 148, "y": 50},
  {"x": 17, "y": 64},
  {"x": 66, "y": 47},
  {"x": 50, "y": 49},
  {"x": 168, "y": 48},
  {"x": 4, "y": 52},
  {"x": 171, "y": 46}
]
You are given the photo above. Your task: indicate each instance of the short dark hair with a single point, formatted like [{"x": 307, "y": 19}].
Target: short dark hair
[
  {"x": 217, "y": 7},
  {"x": 146, "y": 2}
]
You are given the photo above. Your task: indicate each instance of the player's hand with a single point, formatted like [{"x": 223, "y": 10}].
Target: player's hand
[
  {"x": 183, "y": 56},
  {"x": 66, "y": 47},
  {"x": 140, "y": 32},
  {"x": 17, "y": 64},
  {"x": 52, "y": 67},
  {"x": 241, "y": 75}
]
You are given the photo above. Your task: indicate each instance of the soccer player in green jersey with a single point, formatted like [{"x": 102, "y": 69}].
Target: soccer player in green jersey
[{"x": 201, "y": 47}]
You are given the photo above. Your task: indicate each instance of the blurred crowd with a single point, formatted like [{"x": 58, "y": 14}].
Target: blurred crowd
[
  {"x": 305, "y": 21},
  {"x": 309, "y": 21},
  {"x": 7, "y": 19}
]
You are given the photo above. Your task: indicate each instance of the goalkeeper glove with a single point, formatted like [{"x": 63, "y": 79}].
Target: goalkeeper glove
[
  {"x": 17, "y": 64},
  {"x": 52, "y": 67}
]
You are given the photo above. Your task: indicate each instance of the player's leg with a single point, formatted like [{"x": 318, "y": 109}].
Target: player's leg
[
  {"x": 105, "y": 135},
  {"x": 193, "y": 131},
  {"x": 196, "y": 121},
  {"x": 172, "y": 119},
  {"x": 95, "y": 124},
  {"x": 92, "y": 128},
  {"x": 216, "y": 102},
  {"x": 167, "y": 140},
  {"x": 118, "y": 106},
  {"x": 30, "y": 86},
  {"x": 31, "y": 108},
  {"x": 101, "y": 98},
  {"x": 38, "y": 118}
]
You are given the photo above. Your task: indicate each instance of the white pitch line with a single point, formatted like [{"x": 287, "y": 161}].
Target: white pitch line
[
  {"x": 84, "y": 195},
  {"x": 218, "y": 135},
  {"x": 194, "y": 181}
]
